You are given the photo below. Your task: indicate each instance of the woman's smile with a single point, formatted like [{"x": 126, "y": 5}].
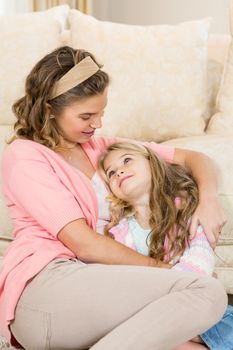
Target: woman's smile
[{"x": 89, "y": 133}]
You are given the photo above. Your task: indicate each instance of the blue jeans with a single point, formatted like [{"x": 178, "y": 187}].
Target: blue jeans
[{"x": 220, "y": 336}]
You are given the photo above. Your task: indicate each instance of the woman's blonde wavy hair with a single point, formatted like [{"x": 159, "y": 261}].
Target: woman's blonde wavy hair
[
  {"x": 168, "y": 181},
  {"x": 34, "y": 109}
]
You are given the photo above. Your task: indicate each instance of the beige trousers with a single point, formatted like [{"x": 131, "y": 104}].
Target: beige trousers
[{"x": 71, "y": 305}]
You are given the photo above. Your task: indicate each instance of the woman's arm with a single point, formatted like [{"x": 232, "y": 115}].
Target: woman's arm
[
  {"x": 92, "y": 247},
  {"x": 209, "y": 212}
]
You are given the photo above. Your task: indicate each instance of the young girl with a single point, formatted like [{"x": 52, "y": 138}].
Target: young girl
[{"x": 151, "y": 203}]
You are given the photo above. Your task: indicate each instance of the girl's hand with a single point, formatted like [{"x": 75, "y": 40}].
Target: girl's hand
[{"x": 210, "y": 215}]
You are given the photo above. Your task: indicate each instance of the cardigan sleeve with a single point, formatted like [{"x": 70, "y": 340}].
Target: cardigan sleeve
[
  {"x": 198, "y": 256},
  {"x": 36, "y": 195}
]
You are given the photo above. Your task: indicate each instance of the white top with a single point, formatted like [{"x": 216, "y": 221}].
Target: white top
[{"x": 103, "y": 205}]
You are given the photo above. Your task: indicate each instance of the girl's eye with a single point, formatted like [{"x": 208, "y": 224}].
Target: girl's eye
[
  {"x": 127, "y": 160},
  {"x": 111, "y": 173}
]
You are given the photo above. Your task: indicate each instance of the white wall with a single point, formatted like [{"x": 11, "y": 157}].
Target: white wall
[
  {"x": 163, "y": 11},
  {"x": 9, "y": 7}
]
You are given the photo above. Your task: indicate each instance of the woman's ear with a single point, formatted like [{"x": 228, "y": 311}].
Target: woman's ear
[
  {"x": 49, "y": 111},
  {"x": 48, "y": 108}
]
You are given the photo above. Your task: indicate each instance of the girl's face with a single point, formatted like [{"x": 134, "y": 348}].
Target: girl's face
[
  {"x": 79, "y": 121},
  {"x": 128, "y": 175}
]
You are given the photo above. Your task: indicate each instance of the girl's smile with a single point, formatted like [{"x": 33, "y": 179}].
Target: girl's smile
[{"x": 124, "y": 178}]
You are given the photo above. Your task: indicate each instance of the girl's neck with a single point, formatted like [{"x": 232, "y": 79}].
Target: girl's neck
[{"x": 142, "y": 215}]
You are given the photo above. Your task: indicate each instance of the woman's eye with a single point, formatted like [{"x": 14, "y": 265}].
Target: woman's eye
[
  {"x": 84, "y": 116},
  {"x": 111, "y": 173},
  {"x": 126, "y": 160}
]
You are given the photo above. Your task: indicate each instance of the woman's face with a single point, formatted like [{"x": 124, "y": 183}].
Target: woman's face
[
  {"x": 128, "y": 174},
  {"x": 78, "y": 121}
]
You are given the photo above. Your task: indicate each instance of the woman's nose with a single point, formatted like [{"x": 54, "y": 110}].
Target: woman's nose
[{"x": 96, "y": 123}]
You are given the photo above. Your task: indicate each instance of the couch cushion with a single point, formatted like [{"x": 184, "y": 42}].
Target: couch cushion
[
  {"x": 220, "y": 149},
  {"x": 25, "y": 38},
  {"x": 224, "y": 264},
  {"x": 218, "y": 45},
  {"x": 158, "y": 88},
  {"x": 222, "y": 122},
  {"x": 225, "y": 275}
]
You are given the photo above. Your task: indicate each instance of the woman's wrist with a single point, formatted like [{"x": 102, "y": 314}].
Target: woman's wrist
[{"x": 156, "y": 263}]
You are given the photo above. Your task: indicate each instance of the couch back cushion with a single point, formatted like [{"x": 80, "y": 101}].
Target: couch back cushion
[
  {"x": 218, "y": 45},
  {"x": 24, "y": 38},
  {"x": 222, "y": 122},
  {"x": 158, "y": 88}
]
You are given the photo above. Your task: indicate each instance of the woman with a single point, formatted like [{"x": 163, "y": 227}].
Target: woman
[{"x": 61, "y": 286}]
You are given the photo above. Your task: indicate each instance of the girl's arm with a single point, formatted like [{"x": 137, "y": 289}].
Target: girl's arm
[
  {"x": 209, "y": 212},
  {"x": 92, "y": 247},
  {"x": 198, "y": 256}
]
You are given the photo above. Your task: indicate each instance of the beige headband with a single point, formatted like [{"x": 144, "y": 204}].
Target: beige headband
[{"x": 75, "y": 76}]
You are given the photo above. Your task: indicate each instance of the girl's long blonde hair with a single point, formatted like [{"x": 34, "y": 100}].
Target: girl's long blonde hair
[{"x": 167, "y": 219}]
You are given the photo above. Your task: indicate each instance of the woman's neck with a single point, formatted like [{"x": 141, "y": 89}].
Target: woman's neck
[{"x": 67, "y": 145}]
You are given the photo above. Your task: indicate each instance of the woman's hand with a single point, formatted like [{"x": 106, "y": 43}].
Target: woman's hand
[{"x": 210, "y": 215}]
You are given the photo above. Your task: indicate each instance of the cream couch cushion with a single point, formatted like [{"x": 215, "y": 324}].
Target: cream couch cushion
[
  {"x": 24, "y": 38},
  {"x": 222, "y": 121},
  {"x": 217, "y": 53},
  {"x": 158, "y": 88}
]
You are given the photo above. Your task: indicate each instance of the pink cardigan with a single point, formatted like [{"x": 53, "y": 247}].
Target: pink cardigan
[{"x": 43, "y": 194}]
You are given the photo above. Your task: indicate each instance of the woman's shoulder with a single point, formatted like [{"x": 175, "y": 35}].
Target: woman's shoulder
[
  {"x": 23, "y": 144},
  {"x": 24, "y": 149}
]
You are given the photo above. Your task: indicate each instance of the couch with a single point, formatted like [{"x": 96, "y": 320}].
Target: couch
[{"x": 170, "y": 84}]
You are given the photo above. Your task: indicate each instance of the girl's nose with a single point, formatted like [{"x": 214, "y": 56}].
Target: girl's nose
[{"x": 120, "y": 172}]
